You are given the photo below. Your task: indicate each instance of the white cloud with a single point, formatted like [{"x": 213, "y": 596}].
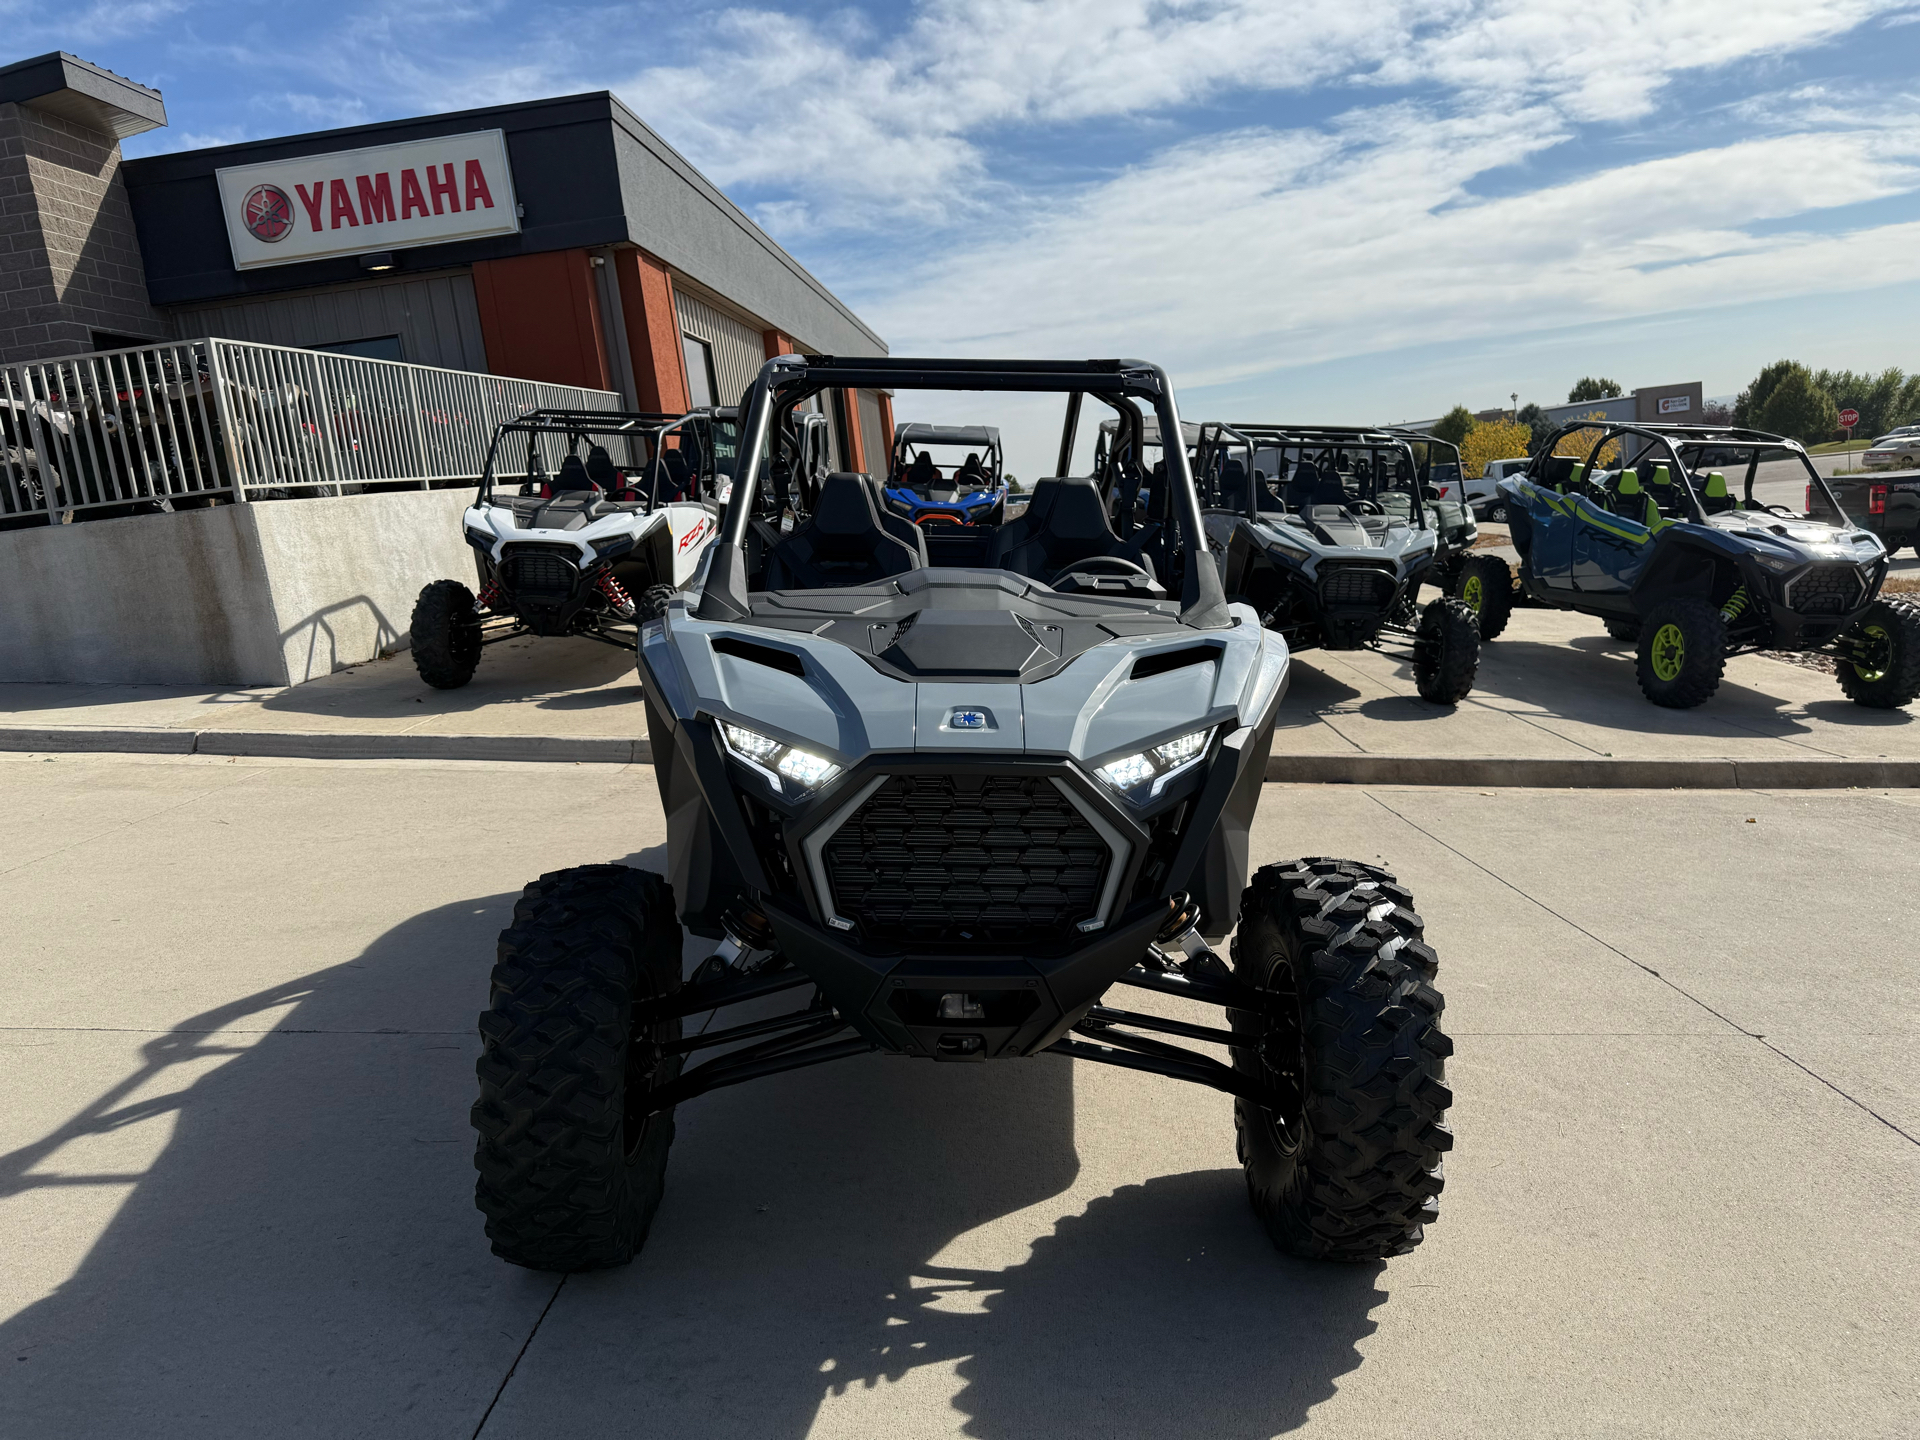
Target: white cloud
[{"x": 859, "y": 127}]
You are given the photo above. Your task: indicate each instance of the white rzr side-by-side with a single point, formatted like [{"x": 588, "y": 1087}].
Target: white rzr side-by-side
[
  {"x": 960, "y": 804},
  {"x": 585, "y": 523}
]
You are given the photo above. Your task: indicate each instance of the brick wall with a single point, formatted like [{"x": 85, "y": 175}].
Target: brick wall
[{"x": 69, "y": 260}]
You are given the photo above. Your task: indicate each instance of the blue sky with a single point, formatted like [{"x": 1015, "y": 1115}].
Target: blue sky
[{"x": 1346, "y": 210}]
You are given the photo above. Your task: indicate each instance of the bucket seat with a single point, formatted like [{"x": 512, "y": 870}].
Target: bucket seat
[
  {"x": 1065, "y": 523},
  {"x": 843, "y": 543}
]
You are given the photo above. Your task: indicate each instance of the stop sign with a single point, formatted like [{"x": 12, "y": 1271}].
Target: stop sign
[{"x": 1849, "y": 419}]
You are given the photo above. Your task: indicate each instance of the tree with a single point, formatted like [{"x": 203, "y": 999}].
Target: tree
[
  {"x": 1535, "y": 419},
  {"x": 1590, "y": 387},
  {"x": 1454, "y": 426},
  {"x": 1747, "y": 405},
  {"x": 1581, "y": 443},
  {"x": 1492, "y": 440},
  {"x": 1799, "y": 408},
  {"x": 1877, "y": 397}
]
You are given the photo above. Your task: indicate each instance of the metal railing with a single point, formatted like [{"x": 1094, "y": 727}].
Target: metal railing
[{"x": 212, "y": 421}]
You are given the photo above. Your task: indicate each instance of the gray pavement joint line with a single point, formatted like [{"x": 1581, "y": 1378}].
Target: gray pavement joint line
[
  {"x": 502, "y": 1391},
  {"x": 1544, "y": 729},
  {"x": 244, "y": 775},
  {"x": 1664, "y": 980}
]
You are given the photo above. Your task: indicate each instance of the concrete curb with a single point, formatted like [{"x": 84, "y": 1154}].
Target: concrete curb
[
  {"x": 326, "y": 745},
  {"x": 1585, "y": 772},
  {"x": 1597, "y": 772}
]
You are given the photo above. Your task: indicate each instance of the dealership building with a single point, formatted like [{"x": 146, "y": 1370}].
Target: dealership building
[{"x": 558, "y": 240}]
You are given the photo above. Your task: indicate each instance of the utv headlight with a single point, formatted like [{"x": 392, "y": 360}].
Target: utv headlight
[
  {"x": 612, "y": 546},
  {"x": 1779, "y": 564},
  {"x": 479, "y": 537},
  {"x": 1159, "y": 764},
  {"x": 775, "y": 759}
]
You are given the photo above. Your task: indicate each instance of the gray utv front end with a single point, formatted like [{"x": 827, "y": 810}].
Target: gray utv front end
[{"x": 969, "y": 840}]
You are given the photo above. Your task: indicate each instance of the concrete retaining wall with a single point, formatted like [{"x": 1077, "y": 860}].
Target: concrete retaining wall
[{"x": 270, "y": 593}]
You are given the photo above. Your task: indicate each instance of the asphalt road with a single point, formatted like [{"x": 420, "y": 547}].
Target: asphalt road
[{"x": 235, "y": 1181}]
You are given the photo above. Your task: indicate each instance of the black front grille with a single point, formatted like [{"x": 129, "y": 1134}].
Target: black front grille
[
  {"x": 1355, "y": 585},
  {"x": 541, "y": 574},
  {"x": 1826, "y": 590},
  {"x": 969, "y": 860}
]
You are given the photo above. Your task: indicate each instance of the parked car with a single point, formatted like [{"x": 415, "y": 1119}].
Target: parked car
[
  {"x": 1484, "y": 493},
  {"x": 1665, "y": 555},
  {"x": 1884, "y": 504},
  {"x": 1897, "y": 450}
]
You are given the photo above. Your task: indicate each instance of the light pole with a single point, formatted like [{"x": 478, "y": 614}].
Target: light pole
[{"x": 1514, "y": 415}]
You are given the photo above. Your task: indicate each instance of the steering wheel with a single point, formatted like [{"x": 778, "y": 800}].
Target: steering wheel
[
  {"x": 1782, "y": 510},
  {"x": 1367, "y": 507}
]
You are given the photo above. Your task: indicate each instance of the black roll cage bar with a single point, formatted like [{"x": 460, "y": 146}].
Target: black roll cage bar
[
  {"x": 578, "y": 425},
  {"x": 1673, "y": 439},
  {"x": 788, "y": 380},
  {"x": 1334, "y": 437}
]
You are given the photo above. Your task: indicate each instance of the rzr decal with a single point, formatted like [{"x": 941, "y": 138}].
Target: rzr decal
[{"x": 701, "y": 527}]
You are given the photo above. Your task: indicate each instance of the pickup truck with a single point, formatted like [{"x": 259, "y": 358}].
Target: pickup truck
[{"x": 1882, "y": 502}]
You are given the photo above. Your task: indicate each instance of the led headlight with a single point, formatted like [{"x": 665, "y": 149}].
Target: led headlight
[
  {"x": 775, "y": 759},
  {"x": 1779, "y": 564},
  {"x": 1159, "y": 765}
]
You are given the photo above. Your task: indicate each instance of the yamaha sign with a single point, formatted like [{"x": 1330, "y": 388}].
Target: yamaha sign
[{"x": 350, "y": 202}]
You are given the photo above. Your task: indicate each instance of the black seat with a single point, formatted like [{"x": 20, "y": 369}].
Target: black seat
[
  {"x": 922, "y": 476},
  {"x": 972, "y": 475},
  {"x": 894, "y": 523},
  {"x": 844, "y": 542},
  {"x": 1265, "y": 500},
  {"x": 573, "y": 475},
  {"x": 1233, "y": 485},
  {"x": 600, "y": 468},
  {"x": 1302, "y": 485},
  {"x": 673, "y": 476},
  {"x": 1065, "y": 523}
]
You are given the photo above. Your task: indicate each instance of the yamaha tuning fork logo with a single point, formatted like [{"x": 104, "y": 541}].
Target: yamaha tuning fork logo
[{"x": 267, "y": 213}]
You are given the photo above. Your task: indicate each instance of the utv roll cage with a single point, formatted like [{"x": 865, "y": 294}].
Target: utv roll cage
[
  {"x": 1439, "y": 451},
  {"x": 790, "y": 380},
  {"x": 914, "y": 437},
  {"x": 633, "y": 444},
  {"x": 1322, "y": 447},
  {"x": 1692, "y": 451}
]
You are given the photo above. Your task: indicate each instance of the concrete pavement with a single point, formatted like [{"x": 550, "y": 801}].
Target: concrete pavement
[{"x": 234, "y": 1167}]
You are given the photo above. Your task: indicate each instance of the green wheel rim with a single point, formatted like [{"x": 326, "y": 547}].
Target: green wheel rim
[
  {"x": 1471, "y": 593},
  {"x": 1883, "y": 648},
  {"x": 1668, "y": 652}
]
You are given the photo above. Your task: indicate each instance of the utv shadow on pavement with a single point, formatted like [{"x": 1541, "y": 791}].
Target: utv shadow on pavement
[{"x": 304, "y": 1257}]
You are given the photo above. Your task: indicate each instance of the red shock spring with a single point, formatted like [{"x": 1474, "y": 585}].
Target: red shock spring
[
  {"x": 615, "y": 592},
  {"x": 489, "y": 593}
]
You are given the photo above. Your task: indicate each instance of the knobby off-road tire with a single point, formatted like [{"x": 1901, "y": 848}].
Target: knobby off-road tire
[
  {"x": 1627, "y": 630},
  {"x": 571, "y": 1167},
  {"x": 1446, "y": 575},
  {"x": 1347, "y": 1164},
  {"x": 446, "y": 635},
  {"x": 1447, "y": 651},
  {"x": 1486, "y": 587},
  {"x": 652, "y": 603},
  {"x": 1681, "y": 653},
  {"x": 1893, "y": 678}
]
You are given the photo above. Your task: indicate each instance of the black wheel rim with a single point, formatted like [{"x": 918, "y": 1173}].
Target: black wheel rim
[{"x": 1281, "y": 1057}]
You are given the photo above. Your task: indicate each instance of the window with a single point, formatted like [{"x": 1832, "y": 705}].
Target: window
[{"x": 700, "y": 371}]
